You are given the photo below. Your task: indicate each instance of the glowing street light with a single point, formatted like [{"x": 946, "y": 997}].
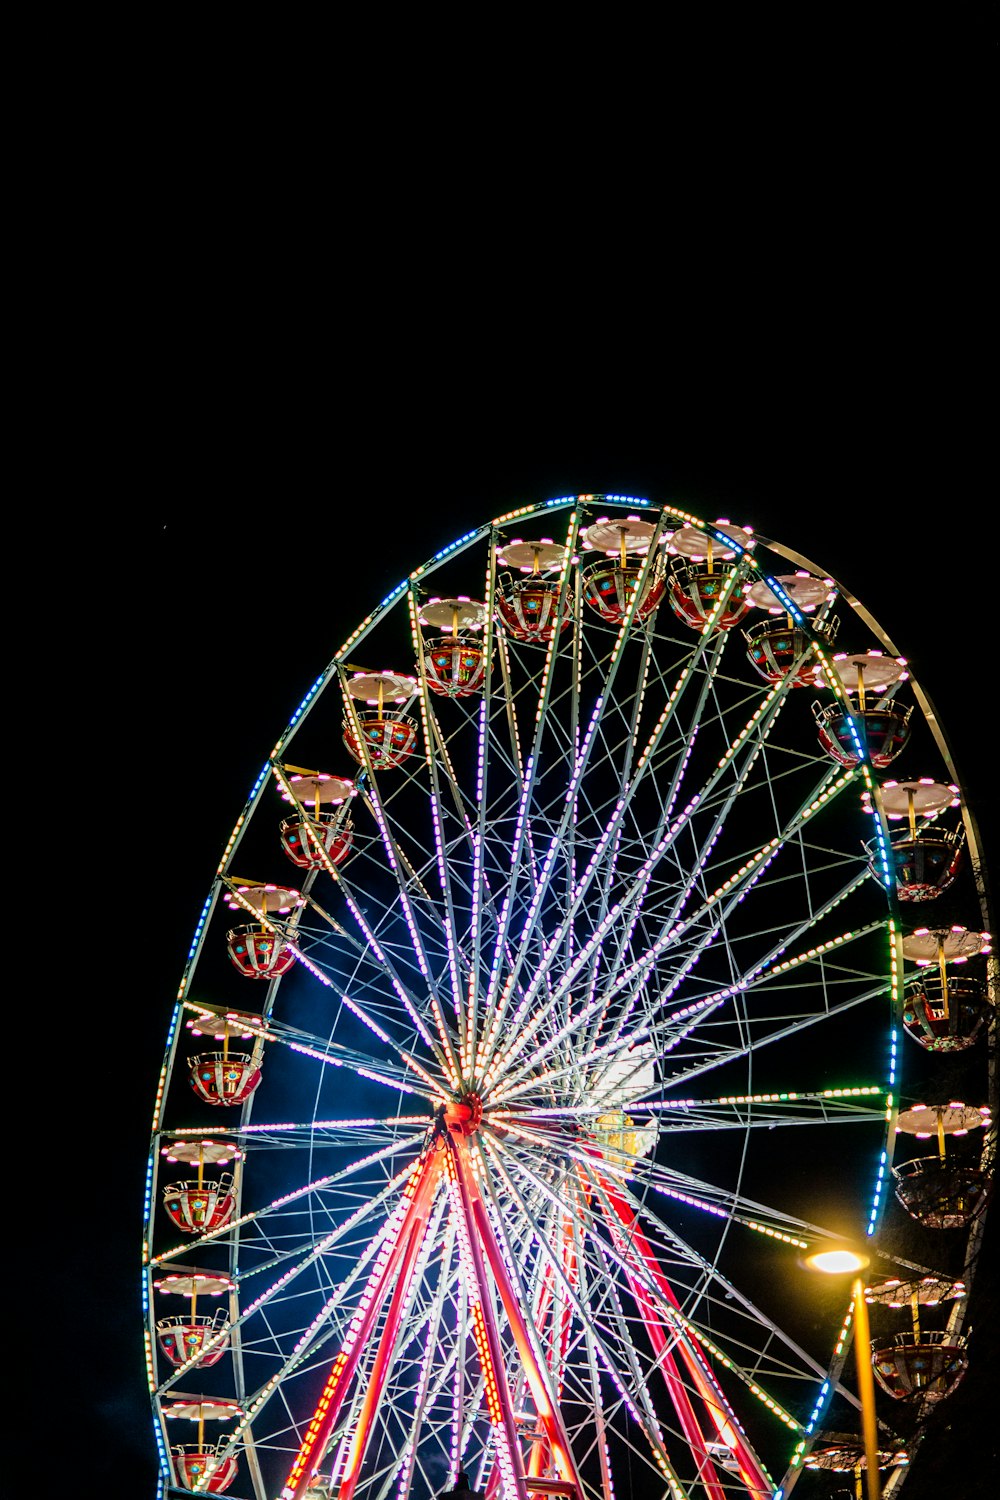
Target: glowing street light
[{"x": 843, "y": 1262}]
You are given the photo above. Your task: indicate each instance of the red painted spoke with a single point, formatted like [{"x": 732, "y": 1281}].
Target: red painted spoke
[
  {"x": 633, "y": 1242},
  {"x": 415, "y": 1197}
]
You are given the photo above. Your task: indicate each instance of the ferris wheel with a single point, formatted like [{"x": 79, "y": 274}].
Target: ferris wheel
[{"x": 548, "y": 1005}]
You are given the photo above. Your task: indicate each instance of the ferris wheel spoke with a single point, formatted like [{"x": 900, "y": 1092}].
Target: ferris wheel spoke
[
  {"x": 387, "y": 965},
  {"x": 520, "y": 843},
  {"x": 680, "y": 1186},
  {"x": 731, "y": 1204},
  {"x": 582, "y": 758},
  {"x": 638, "y": 1398},
  {"x": 479, "y": 887},
  {"x": 320, "y": 1133},
  {"x": 697, "y": 1013},
  {"x": 277, "y": 1205},
  {"x": 725, "y": 897},
  {"x": 709, "y": 661},
  {"x": 398, "y": 1303},
  {"x": 730, "y": 1290},
  {"x": 450, "y": 923},
  {"x": 442, "y": 1047},
  {"x": 336, "y": 1055},
  {"x": 313, "y": 1336},
  {"x": 630, "y": 1238},
  {"x": 404, "y": 1234},
  {"x": 424, "y": 1381},
  {"x": 757, "y": 976},
  {"x": 720, "y": 1054},
  {"x": 669, "y": 928}
]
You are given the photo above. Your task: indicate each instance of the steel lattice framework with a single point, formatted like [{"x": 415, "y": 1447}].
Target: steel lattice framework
[{"x": 550, "y": 1067}]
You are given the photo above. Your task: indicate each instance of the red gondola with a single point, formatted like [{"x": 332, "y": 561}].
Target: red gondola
[
  {"x": 258, "y": 952},
  {"x": 608, "y": 589},
  {"x": 609, "y": 585},
  {"x": 454, "y": 664},
  {"x": 528, "y": 607},
  {"x": 183, "y": 1338},
  {"x": 198, "y": 1207},
  {"x": 224, "y": 1077},
  {"x": 192, "y": 1462},
  {"x": 385, "y": 737}
]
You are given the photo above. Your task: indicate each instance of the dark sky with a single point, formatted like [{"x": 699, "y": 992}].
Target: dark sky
[{"x": 205, "y": 641}]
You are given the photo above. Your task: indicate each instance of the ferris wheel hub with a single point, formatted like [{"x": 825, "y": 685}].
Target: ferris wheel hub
[{"x": 464, "y": 1115}]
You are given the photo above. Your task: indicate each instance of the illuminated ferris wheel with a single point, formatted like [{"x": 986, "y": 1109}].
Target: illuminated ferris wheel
[{"x": 546, "y": 1008}]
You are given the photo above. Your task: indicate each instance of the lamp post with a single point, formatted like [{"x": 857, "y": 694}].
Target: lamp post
[{"x": 840, "y": 1263}]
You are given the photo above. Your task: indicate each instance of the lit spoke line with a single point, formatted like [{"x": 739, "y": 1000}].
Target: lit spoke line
[
  {"x": 477, "y": 891},
  {"x": 721, "y": 1201},
  {"x": 450, "y": 924},
  {"x": 462, "y": 818},
  {"x": 754, "y": 978},
  {"x": 752, "y": 975},
  {"x": 596, "y": 1398},
  {"x": 502, "y": 1262},
  {"x": 332, "y": 1054},
  {"x": 730, "y": 888},
  {"x": 832, "y": 1097},
  {"x": 358, "y": 916},
  {"x": 484, "y": 1325},
  {"x": 407, "y": 1221},
  {"x": 312, "y": 1337},
  {"x": 663, "y": 828},
  {"x": 753, "y": 869},
  {"x": 444, "y": 1052},
  {"x": 373, "y": 1026},
  {"x": 647, "y": 1418},
  {"x": 548, "y": 1046},
  {"x": 374, "y": 802},
  {"x": 277, "y": 1204},
  {"x": 632, "y": 899},
  {"x": 494, "y": 1006},
  {"x": 583, "y": 1070},
  {"x": 713, "y": 1276},
  {"x": 471, "y": 837},
  {"x": 547, "y": 1372},
  {"x": 389, "y": 1344},
  {"x": 482, "y": 774},
  {"x": 724, "y": 1055},
  {"x": 516, "y": 757},
  {"x": 628, "y": 1235},
  {"x": 574, "y": 733},
  {"x": 424, "y": 1379},
  {"x": 700, "y": 1010},
  {"x": 590, "y": 738},
  {"x": 582, "y": 1308},
  {"x": 423, "y": 1323},
  {"x": 292, "y": 1133},
  {"x": 621, "y": 1165},
  {"x": 669, "y": 716}
]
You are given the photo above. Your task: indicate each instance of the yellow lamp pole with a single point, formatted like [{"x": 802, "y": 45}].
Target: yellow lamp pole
[{"x": 839, "y": 1263}]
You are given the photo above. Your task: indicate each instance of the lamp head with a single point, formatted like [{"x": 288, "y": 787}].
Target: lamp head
[{"x": 837, "y": 1262}]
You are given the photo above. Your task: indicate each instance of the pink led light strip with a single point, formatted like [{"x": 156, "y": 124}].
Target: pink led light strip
[{"x": 399, "y": 1250}]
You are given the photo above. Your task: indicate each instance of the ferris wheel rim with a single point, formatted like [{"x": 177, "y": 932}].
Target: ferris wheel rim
[{"x": 398, "y": 855}]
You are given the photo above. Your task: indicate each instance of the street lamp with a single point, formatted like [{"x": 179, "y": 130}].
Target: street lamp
[{"x": 844, "y": 1262}]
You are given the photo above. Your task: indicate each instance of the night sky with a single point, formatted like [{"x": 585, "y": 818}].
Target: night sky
[{"x": 208, "y": 637}]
